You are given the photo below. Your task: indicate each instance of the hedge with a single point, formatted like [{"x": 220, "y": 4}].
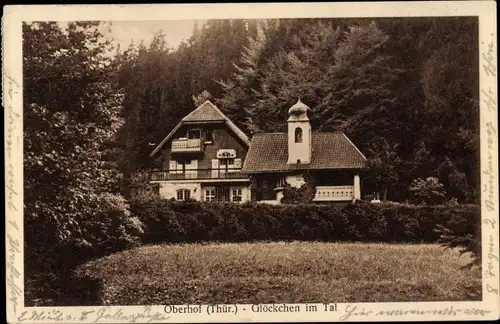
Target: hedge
[{"x": 168, "y": 221}]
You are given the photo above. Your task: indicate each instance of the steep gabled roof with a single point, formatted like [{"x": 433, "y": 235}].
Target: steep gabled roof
[
  {"x": 269, "y": 153},
  {"x": 206, "y": 112}
]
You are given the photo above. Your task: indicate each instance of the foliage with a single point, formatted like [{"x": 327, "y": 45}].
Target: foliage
[
  {"x": 428, "y": 191},
  {"x": 465, "y": 242},
  {"x": 113, "y": 228},
  {"x": 303, "y": 195},
  {"x": 140, "y": 190},
  {"x": 350, "y": 71},
  {"x": 201, "y": 98},
  {"x": 162, "y": 85},
  {"x": 72, "y": 108},
  {"x": 174, "y": 221}
]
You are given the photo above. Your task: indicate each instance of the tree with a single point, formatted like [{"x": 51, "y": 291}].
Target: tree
[
  {"x": 71, "y": 111},
  {"x": 384, "y": 166},
  {"x": 428, "y": 191},
  {"x": 238, "y": 92},
  {"x": 201, "y": 98}
]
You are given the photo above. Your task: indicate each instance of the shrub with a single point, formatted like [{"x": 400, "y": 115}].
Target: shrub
[
  {"x": 110, "y": 228},
  {"x": 303, "y": 195},
  {"x": 428, "y": 191},
  {"x": 113, "y": 228},
  {"x": 174, "y": 221}
]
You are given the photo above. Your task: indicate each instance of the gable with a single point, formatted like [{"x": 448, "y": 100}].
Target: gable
[{"x": 205, "y": 113}]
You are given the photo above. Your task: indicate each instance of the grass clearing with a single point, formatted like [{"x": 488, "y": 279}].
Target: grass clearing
[{"x": 295, "y": 272}]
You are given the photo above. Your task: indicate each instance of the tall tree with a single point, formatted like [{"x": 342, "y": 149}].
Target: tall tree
[{"x": 71, "y": 110}]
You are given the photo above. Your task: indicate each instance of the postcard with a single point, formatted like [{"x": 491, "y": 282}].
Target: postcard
[{"x": 251, "y": 162}]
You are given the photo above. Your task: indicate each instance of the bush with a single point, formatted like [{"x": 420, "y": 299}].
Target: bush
[
  {"x": 175, "y": 221},
  {"x": 428, "y": 191},
  {"x": 112, "y": 229}
]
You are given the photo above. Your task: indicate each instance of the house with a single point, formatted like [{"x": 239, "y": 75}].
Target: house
[
  {"x": 206, "y": 157},
  {"x": 202, "y": 158},
  {"x": 330, "y": 159}
]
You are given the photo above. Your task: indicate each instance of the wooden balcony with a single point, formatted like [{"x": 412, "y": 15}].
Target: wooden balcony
[
  {"x": 334, "y": 193},
  {"x": 185, "y": 145},
  {"x": 198, "y": 174}
]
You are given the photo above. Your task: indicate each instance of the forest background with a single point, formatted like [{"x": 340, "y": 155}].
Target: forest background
[{"x": 404, "y": 90}]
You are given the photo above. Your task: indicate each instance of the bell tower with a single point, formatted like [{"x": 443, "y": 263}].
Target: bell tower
[{"x": 299, "y": 134}]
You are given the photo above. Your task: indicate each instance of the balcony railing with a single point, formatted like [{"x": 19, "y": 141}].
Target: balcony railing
[
  {"x": 187, "y": 145},
  {"x": 334, "y": 193},
  {"x": 198, "y": 174}
]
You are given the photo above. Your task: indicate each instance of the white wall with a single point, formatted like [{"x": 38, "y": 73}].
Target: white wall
[
  {"x": 295, "y": 180},
  {"x": 169, "y": 190},
  {"x": 299, "y": 151}
]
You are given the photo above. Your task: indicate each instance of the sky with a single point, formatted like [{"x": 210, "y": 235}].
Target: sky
[{"x": 124, "y": 32}]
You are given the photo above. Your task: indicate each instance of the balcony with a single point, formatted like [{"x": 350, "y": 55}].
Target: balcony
[
  {"x": 185, "y": 145},
  {"x": 198, "y": 174},
  {"x": 334, "y": 193}
]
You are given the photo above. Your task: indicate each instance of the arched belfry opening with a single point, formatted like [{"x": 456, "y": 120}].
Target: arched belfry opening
[{"x": 298, "y": 135}]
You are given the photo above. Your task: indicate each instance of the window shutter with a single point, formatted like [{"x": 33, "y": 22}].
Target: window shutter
[
  {"x": 237, "y": 163},
  {"x": 215, "y": 168},
  {"x": 191, "y": 171},
  {"x": 179, "y": 167}
]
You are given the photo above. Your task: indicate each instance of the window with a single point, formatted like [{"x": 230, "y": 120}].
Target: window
[
  {"x": 226, "y": 163},
  {"x": 298, "y": 135},
  {"x": 194, "y": 133},
  {"x": 183, "y": 194},
  {"x": 210, "y": 195},
  {"x": 236, "y": 195},
  {"x": 209, "y": 136}
]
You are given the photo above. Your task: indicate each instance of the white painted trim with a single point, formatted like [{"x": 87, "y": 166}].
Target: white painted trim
[{"x": 165, "y": 139}]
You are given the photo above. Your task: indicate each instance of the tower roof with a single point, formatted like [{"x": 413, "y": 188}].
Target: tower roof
[{"x": 299, "y": 108}]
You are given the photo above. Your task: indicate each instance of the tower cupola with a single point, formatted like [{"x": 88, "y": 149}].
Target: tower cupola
[{"x": 299, "y": 134}]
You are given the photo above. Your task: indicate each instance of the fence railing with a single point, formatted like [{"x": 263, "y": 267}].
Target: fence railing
[
  {"x": 198, "y": 174},
  {"x": 334, "y": 193},
  {"x": 187, "y": 145}
]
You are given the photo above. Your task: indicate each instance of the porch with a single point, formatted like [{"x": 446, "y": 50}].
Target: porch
[{"x": 330, "y": 187}]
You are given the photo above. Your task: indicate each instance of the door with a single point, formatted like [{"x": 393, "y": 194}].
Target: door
[{"x": 222, "y": 194}]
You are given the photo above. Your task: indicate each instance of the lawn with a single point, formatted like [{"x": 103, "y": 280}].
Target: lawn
[{"x": 283, "y": 272}]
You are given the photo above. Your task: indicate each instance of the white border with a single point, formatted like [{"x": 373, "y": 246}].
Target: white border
[{"x": 12, "y": 96}]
